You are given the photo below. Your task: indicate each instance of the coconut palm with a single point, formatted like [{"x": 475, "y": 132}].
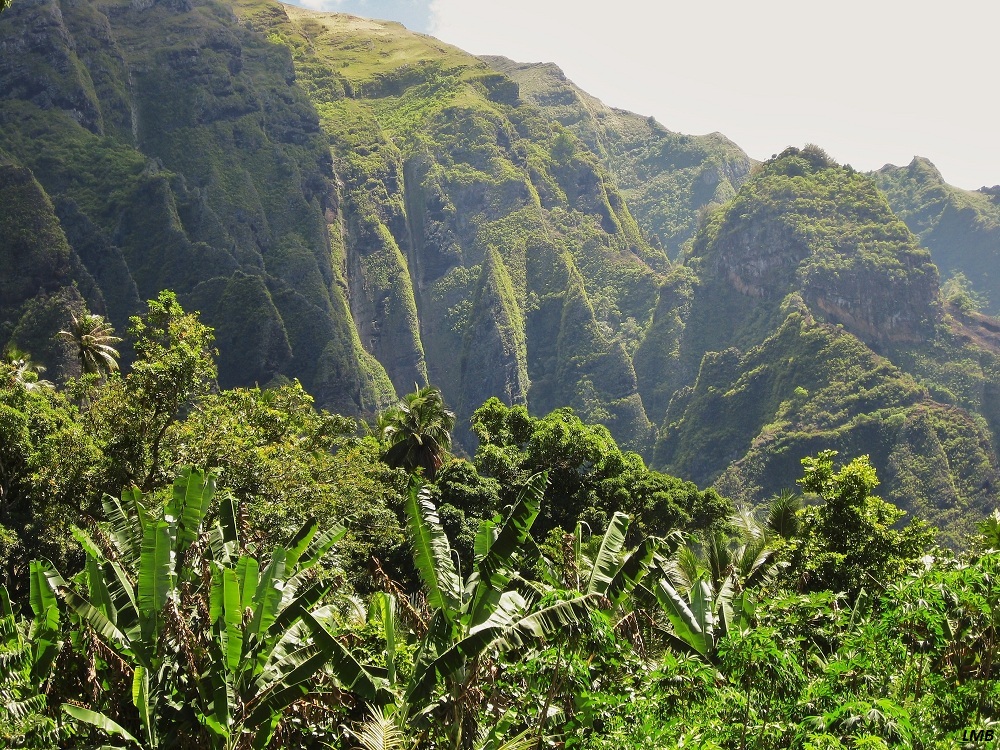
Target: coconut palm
[
  {"x": 93, "y": 337},
  {"x": 418, "y": 431},
  {"x": 705, "y": 590}
]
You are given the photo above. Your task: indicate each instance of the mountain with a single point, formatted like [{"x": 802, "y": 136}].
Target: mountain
[
  {"x": 365, "y": 208},
  {"x": 668, "y": 179},
  {"x": 960, "y": 227},
  {"x": 807, "y": 316},
  {"x": 347, "y": 202}
]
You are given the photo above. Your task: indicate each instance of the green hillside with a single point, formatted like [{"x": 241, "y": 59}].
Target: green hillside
[
  {"x": 363, "y": 209},
  {"x": 667, "y": 178},
  {"x": 960, "y": 227},
  {"x": 810, "y": 317}
]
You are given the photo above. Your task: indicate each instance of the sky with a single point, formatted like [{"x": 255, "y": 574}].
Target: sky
[{"x": 871, "y": 81}]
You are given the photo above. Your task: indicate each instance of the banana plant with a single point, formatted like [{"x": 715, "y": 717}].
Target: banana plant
[
  {"x": 218, "y": 645},
  {"x": 26, "y": 657},
  {"x": 614, "y": 573},
  {"x": 704, "y": 615},
  {"x": 491, "y": 610}
]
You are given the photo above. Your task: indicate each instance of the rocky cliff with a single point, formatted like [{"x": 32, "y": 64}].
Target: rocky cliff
[{"x": 810, "y": 317}]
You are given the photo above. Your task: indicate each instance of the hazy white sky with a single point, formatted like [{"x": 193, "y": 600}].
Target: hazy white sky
[{"x": 871, "y": 81}]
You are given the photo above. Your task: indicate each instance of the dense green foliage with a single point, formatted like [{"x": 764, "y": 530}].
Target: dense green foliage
[
  {"x": 299, "y": 590},
  {"x": 591, "y": 478}
]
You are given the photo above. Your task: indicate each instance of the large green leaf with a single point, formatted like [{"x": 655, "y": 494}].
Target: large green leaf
[
  {"x": 126, "y": 534},
  {"x": 122, "y": 594},
  {"x": 631, "y": 572},
  {"x": 267, "y": 597},
  {"x": 233, "y": 616},
  {"x": 485, "y": 536},
  {"x": 98, "y": 720},
  {"x": 346, "y": 669},
  {"x": 156, "y": 570},
  {"x": 44, "y": 634},
  {"x": 248, "y": 573},
  {"x": 228, "y": 524},
  {"x": 42, "y": 596},
  {"x": 382, "y": 612},
  {"x": 533, "y": 629},
  {"x": 432, "y": 552},
  {"x": 192, "y": 495},
  {"x": 685, "y": 623},
  {"x": 141, "y": 701},
  {"x": 88, "y": 544},
  {"x": 490, "y": 576},
  {"x": 607, "y": 562},
  {"x": 298, "y": 543},
  {"x": 100, "y": 595},
  {"x": 6, "y": 610},
  {"x": 320, "y": 545},
  {"x": 703, "y": 607},
  {"x": 93, "y": 617},
  {"x": 297, "y": 606}
]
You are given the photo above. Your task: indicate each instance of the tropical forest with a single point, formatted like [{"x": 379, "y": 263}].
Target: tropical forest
[{"x": 359, "y": 392}]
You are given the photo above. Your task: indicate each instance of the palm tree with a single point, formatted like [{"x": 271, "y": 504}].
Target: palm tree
[
  {"x": 93, "y": 338},
  {"x": 705, "y": 590},
  {"x": 418, "y": 431}
]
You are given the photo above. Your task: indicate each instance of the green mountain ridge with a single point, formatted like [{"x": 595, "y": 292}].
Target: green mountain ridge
[
  {"x": 667, "y": 178},
  {"x": 960, "y": 227},
  {"x": 811, "y": 318},
  {"x": 364, "y": 208}
]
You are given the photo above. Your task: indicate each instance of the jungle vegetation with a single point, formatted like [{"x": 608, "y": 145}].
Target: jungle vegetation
[
  {"x": 188, "y": 566},
  {"x": 698, "y": 451}
]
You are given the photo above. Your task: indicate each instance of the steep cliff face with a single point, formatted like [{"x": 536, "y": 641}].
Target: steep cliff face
[
  {"x": 180, "y": 154},
  {"x": 666, "y": 178},
  {"x": 961, "y": 227},
  {"x": 806, "y": 224},
  {"x": 43, "y": 277},
  {"x": 346, "y": 202},
  {"x": 484, "y": 251}
]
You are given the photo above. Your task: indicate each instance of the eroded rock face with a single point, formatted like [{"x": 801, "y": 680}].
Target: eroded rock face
[
  {"x": 759, "y": 257},
  {"x": 880, "y": 307}
]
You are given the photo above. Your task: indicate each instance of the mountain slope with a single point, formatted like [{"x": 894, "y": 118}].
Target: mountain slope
[
  {"x": 809, "y": 318},
  {"x": 960, "y": 227},
  {"x": 179, "y": 152},
  {"x": 347, "y": 202},
  {"x": 364, "y": 208},
  {"x": 667, "y": 178}
]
